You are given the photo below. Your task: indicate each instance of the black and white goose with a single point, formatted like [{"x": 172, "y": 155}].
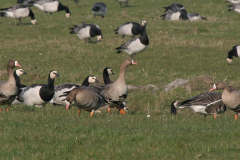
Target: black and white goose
[
  {"x": 129, "y": 29},
  {"x": 39, "y": 94},
  {"x": 87, "y": 31},
  {"x": 175, "y": 15},
  {"x": 99, "y": 9},
  {"x": 137, "y": 44},
  {"x": 51, "y": 6},
  {"x": 18, "y": 12},
  {"x": 195, "y": 17},
  {"x": 174, "y": 7},
  {"x": 235, "y": 7},
  {"x": 235, "y": 51},
  {"x": 233, "y": 1},
  {"x": 208, "y": 103},
  {"x": 123, "y": 1}
]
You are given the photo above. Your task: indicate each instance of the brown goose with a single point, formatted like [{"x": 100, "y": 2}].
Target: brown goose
[
  {"x": 86, "y": 98},
  {"x": 116, "y": 93},
  {"x": 208, "y": 103},
  {"x": 9, "y": 90},
  {"x": 230, "y": 97}
]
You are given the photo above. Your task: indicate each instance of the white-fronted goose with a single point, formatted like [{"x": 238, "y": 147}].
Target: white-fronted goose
[
  {"x": 208, "y": 103},
  {"x": 135, "y": 45},
  {"x": 234, "y": 52},
  {"x": 195, "y": 17},
  {"x": 123, "y": 1},
  {"x": 235, "y": 7},
  {"x": 175, "y": 15},
  {"x": 18, "y": 12},
  {"x": 116, "y": 93},
  {"x": 39, "y": 94},
  {"x": 129, "y": 29},
  {"x": 9, "y": 89},
  {"x": 51, "y": 6},
  {"x": 99, "y": 9},
  {"x": 230, "y": 97},
  {"x": 87, "y": 31},
  {"x": 174, "y": 7}
]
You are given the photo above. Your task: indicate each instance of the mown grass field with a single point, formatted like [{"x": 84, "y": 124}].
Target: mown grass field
[{"x": 178, "y": 50}]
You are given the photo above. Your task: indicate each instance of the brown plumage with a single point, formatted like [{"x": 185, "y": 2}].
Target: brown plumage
[{"x": 9, "y": 90}]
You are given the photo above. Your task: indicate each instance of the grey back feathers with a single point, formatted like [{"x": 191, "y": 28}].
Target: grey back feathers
[{"x": 99, "y": 9}]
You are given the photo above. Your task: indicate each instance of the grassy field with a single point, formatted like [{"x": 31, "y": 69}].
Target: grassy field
[{"x": 196, "y": 51}]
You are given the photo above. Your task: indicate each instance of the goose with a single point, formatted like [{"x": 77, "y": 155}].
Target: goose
[
  {"x": 195, "y": 16},
  {"x": 175, "y": 15},
  {"x": 208, "y": 103},
  {"x": 233, "y": 1},
  {"x": 106, "y": 73},
  {"x": 234, "y": 7},
  {"x": 116, "y": 93},
  {"x": 123, "y": 1},
  {"x": 51, "y": 6},
  {"x": 25, "y": 2},
  {"x": 99, "y": 9},
  {"x": 235, "y": 51},
  {"x": 18, "y": 12},
  {"x": 174, "y": 7},
  {"x": 60, "y": 89},
  {"x": 39, "y": 94},
  {"x": 129, "y": 29},
  {"x": 230, "y": 97},
  {"x": 9, "y": 89},
  {"x": 87, "y": 31},
  {"x": 137, "y": 44}
]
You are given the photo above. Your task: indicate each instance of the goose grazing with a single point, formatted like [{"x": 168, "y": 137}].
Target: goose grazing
[
  {"x": 208, "y": 103},
  {"x": 87, "y": 31},
  {"x": 129, "y": 29},
  {"x": 230, "y": 97},
  {"x": 99, "y": 9},
  {"x": 234, "y": 52},
  {"x": 175, "y": 15},
  {"x": 51, "y": 6},
  {"x": 9, "y": 89},
  {"x": 18, "y": 12},
  {"x": 116, "y": 93},
  {"x": 174, "y": 7},
  {"x": 234, "y": 7},
  {"x": 123, "y": 1},
  {"x": 62, "y": 88},
  {"x": 39, "y": 94},
  {"x": 137, "y": 44},
  {"x": 195, "y": 17}
]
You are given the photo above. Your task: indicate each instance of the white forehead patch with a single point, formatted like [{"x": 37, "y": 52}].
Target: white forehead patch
[
  {"x": 214, "y": 86},
  {"x": 16, "y": 63}
]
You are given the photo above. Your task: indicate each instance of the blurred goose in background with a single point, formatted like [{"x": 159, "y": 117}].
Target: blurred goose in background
[
  {"x": 129, "y": 29},
  {"x": 51, "y": 6},
  {"x": 123, "y": 1},
  {"x": 9, "y": 89},
  {"x": 234, "y": 7},
  {"x": 208, "y": 103},
  {"x": 116, "y": 93},
  {"x": 25, "y": 2},
  {"x": 233, "y": 1},
  {"x": 18, "y": 12},
  {"x": 174, "y": 7},
  {"x": 99, "y": 9},
  {"x": 195, "y": 17},
  {"x": 175, "y": 15},
  {"x": 230, "y": 97},
  {"x": 135, "y": 45},
  {"x": 87, "y": 31},
  {"x": 39, "y": 94},
  {"x": 235, "y": 51}
]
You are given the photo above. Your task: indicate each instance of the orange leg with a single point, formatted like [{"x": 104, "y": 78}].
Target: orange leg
[
  {"x": 109, "y": 110},
  {"x": 1, "y": 110},
  {"x": 236, "y": 116},
  {"x": 79, "y": 112},
  {"x": 121, "y": 111},
  {"x": 91, "y": 114},
  {"x": 204, "y": 116},
  {"x": 8, "y": 107},
  {"x": 215, "y": 116}
]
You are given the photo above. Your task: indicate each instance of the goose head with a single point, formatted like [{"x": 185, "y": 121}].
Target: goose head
[
  {"x": 229, "y": 60},
  {"x": 13, "y": 63},
  {"x": 174, "y": 106},
  {"x": 19, "y": 72},
  {"x": 53, "y": 74},
  {"x": 92, "y": 79},
  {"x": 34, "y": 21},
  {"x": 144, "y": 23},
  {"x": 109, "y": 71},
  {"x": 218, "y": 86},
  {"x": 68, "y": 15}
]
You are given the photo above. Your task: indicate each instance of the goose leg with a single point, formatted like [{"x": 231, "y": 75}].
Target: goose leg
[
  {"x": 1, "y": 110},
  {"x": 109, "y": 110},
  {"x": 102, "y": 17},
  {"x": 236, "y": 116},
  {"x": 8, "y": 107},
  {"x": 91, "y": 114},
  {"x": 51, "y": 14},
  {"x": 15, "y": 21},
  {"x": 45, "y": 14},
  {"x": 215, "y": 116},
  {"x": 121, "y": 111},
  {"x": 79, "y": 112},
  {"x": 204, "y": 116}
]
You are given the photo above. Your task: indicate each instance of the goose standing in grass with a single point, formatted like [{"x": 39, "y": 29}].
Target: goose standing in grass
[
  {"x": 195, "y": 17},
  {"x": 123, "y": 1},
  {"x": 39, "y": 94},
  {"x": 175, "y": 15},
  {"x": 174, "y": 7},
  {"x": 62, "y": 88},
  {"x": 129, "y": 29},
  {"x": 87, "y": 31},
  {"x": 235, "y": 51},
  {"x": 230, "y": 97},
  {"x": 9, "y": 89},
  {"x": 235, "y": 7},
  {"x": 51, "y": 6},
  {"x": 208, "y": 103},
  {"x": 137, "y": 44},
  {"x": 99, "y": 9},
  {"x": 116, "y": 93},
  {"x": 18, "y": 12}
]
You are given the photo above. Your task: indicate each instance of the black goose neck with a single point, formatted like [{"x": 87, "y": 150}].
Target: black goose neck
[
  {"x": 144, "y": 37},
  {"x": 50, "y": 82},
  {"x": 106, "y": 78},
  {"x": 17, "y": 79},
  {"x": 85, "y": 82},
  {"x": 62, "y": 7},
  {"x": 31, "y": 14}
]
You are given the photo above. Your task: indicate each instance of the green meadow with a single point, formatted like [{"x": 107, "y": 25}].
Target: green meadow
[{"x": 194, "y": 51}]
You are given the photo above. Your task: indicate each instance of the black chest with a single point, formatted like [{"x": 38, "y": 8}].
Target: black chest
[{"x": 46, "y": 93}]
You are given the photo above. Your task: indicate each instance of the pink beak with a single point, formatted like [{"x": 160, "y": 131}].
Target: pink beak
[
  {"x": 212, "y": 89},
  {"x": 134, "y": 63},
  {"x": 18, "y": 65}
]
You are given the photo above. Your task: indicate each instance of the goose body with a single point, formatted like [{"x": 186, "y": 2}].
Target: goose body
[
  {"x": 175, "y": 15},
  {"x": 135, "y": 45},
  {"x": 129, "y": 29},
  {"x": 235, "y": 7},
  {"x": 174, "y": 7},
  {"x": 123, "y": 1},
  {"x": 195, "y": 17},
  {"x": 99, "y": 9},
  {"x": 87, "y": 31},
  {"x": 39, "y": 94},
  {"x": 233, "y": 1},
  {"x": 234, "y": 52},
  {"x": 18, "y": 12}
]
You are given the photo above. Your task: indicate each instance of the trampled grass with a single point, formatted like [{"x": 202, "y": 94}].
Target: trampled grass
[{"x": 178, "y": 49}]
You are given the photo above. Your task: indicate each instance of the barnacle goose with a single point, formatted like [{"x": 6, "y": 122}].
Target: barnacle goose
[
  {"x": 87, "y": 31},
  {"x": 174, "y": 7},
  {"x": 137, "y": 44},
  {"x": 99, "y": 9},
  {"x": 123, "y": 1},
  {"x": 39, "y": 94},
  {"x": 18, "y": 12},
  {"x": 234, "y": 7},
  {"x": 195, "y": 17},
  {"x": 129, "y": 29},
  {"x": 175, "y": 15},
  {"x": 235, "y": 51},
  {"x": 233, "y": 1}
]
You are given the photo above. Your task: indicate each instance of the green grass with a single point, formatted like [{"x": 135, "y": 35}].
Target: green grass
[{"x": 178, "y": 49}]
